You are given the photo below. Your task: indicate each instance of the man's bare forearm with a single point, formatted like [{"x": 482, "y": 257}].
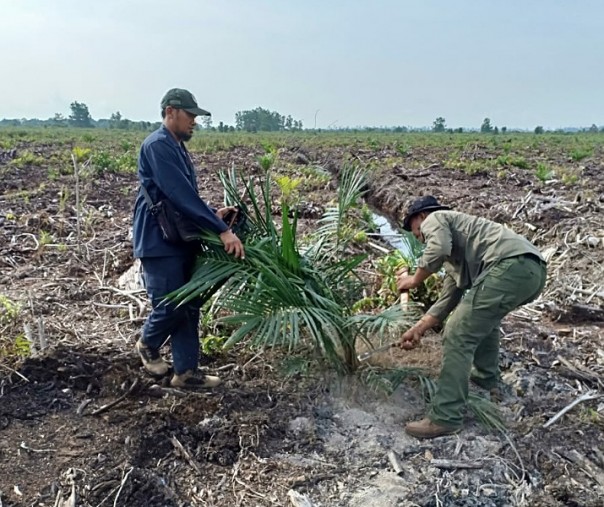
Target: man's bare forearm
[
  {"x": 425, "y": 323},
  {"x": 420, "y": 275}
]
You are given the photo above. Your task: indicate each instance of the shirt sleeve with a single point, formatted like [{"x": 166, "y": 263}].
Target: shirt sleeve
[
  {"x": 169, "y": 177},
  {"x": 439, "y": 243},
  {"x": 449, "y": 298}
]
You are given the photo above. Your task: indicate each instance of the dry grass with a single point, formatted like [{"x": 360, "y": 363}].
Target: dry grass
[{"x": 428, "y": 356}]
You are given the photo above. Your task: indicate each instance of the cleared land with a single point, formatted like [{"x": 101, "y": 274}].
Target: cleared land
[{"x": 272, "y": 427}]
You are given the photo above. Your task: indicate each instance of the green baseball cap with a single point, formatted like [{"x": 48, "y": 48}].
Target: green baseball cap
[{"x": 183, "y": 99}]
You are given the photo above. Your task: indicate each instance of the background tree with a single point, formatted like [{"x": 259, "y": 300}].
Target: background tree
[
  {"x": 439, "y": 125},
  {"x": 486, "y": 127},
  {"x": 593, "y": 128},
  {"x": 504, "y": 130},
  {"x": 80, "y": 116},
  {"x": 115, "y": 122},
  {"x": 206, "y": 122},
  {"x": 58, "y": 120},
  {"x": 263, "y": 120},
  {"x": 539, "y": 129},
  {"x": 9, "y": 122}
]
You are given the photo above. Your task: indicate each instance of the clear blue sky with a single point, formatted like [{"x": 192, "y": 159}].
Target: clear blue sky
[{"x": 521, "y": 63}]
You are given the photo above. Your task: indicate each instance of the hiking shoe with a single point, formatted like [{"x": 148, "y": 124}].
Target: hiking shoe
[
  {"x": 427, "y": 429},
  {"x": 194, "y": 379},
  {"x": 152, "y": 361}
]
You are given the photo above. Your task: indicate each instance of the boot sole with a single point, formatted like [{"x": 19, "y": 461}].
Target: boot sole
[{"x": 184, "y": 385}]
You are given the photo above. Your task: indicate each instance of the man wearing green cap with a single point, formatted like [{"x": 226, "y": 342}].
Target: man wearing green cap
[
  {"x": 489, "y": 271},
  {"x": 166, "y": 172}
]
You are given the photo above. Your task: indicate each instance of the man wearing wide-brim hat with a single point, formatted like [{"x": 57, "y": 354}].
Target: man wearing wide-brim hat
[{"x": 489, "y": 271}]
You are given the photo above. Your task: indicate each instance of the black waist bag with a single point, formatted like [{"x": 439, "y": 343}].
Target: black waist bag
[{"x": 175, "y": 227}]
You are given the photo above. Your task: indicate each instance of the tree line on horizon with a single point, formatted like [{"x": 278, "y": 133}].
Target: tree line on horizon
[
  {"x": 439, "y": 126},
  {"x": 254, "y": 120}
]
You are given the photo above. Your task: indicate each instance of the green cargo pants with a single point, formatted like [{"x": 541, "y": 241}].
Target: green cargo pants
[{"x": 471, "y": 335}]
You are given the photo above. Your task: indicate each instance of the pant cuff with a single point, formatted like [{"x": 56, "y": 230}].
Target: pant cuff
[{"x": 444, "y": 422}]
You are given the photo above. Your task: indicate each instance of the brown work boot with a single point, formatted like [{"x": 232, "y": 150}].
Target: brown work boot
[
  {"x": 194, "y": 379},
  {"x": 427, "y": 429},
  {"x": 151, "y": 359}
]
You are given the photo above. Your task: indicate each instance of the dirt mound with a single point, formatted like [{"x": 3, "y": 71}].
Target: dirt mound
[{"x": 96, "y": 421}]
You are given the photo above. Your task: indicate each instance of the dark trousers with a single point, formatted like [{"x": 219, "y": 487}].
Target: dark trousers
[{"x": 163, "y": 275}]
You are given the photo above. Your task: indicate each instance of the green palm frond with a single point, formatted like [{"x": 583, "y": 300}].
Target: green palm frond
[
  {"x": 392, "y": 318},
  {"x": 259, "y": 210},
  {"x": 486, "y": 412},
  {"x": 288, "y": 240},
  {"x": 380, "y": 328},
  {"x": 280, "y": 295},
  {"x": 230, "y": 184},
  {"x": 270, "y": 299},
  {"x": 275, "y": 323},
  {"x": 335, "y": 272},
  {"x": 428, "y": 387},
  {"x": 266, "y": 218},
  {"x": 352, "y": 186},
  {"x": 330, "y": 222},
  {"x": 412, "y": 249}
]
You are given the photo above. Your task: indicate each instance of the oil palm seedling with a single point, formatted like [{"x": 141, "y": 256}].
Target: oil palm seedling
[
  {"x": 284, "y": 293},
  {"x": 543, "y": 172}
]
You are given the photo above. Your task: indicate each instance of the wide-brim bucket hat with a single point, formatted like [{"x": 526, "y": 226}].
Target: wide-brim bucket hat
[{"x": 424, "y": 203}]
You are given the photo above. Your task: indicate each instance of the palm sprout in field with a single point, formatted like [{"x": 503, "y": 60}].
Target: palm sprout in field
[{"x": 285, "y": 295}]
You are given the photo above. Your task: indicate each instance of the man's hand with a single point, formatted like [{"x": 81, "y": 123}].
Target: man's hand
[
  {"x": 232, "y": 244},
  {"x": 411, "y": 338},
  {"x": 405, "y": 282}
]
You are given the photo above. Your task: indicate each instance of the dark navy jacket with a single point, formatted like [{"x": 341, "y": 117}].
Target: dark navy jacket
[{"x": 166, "y": 170}]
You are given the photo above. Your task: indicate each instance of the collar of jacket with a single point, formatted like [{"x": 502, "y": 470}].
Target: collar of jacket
[{"x": 170, "y": 137}]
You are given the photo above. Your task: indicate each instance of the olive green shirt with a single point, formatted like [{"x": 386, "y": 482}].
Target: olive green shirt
[{"x": 467, "y": 247}]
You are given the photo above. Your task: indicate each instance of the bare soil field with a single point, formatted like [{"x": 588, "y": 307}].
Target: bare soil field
[{"x": 82, "y": 425}]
